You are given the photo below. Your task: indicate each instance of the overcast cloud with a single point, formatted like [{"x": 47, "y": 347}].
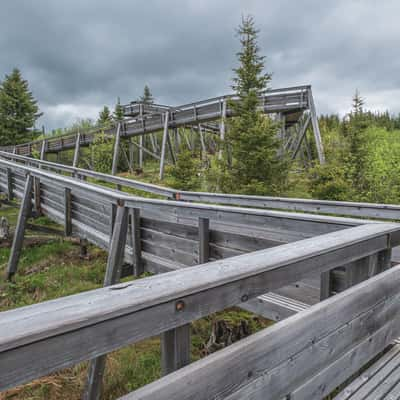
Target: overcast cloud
[{"x": 79, "y": 55}]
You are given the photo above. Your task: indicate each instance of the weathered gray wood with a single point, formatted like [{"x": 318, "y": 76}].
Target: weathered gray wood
[
  {"x": 360, "y": 319},
  {"x": 222, "y": 125},
  {"x": 136, "y": 242},
  {"x": 175, "y": 349},
  {"x": 317, "y": 134},
  {"x": 10, "y": 194},
  {"x": 24, "y": 211},
  {"x": 113, "y": 273},
  {"x": 43, "y": 150},
  {"x": 141, "y": 148},
  {"x": 146, "y": 307},
  {"x": 36, "y": 196},
  {"x": 67, "y": 212},
  {"x": 164, "y": 144},
  {"x": 171, "y": 149},
  {"x": 76, "y": 150},
  {"x": 204, "y": 240},
  {"x": 116, "y": 150}
]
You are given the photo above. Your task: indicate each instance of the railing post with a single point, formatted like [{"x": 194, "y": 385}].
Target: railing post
[
  {"x": 204, "y": 240},
  {"x": 113, "y": 273},
  {"x": 76, "y": 151},
  {"x": 67, "y": 212},
  {"x": 24, "y": 211},
  {"x": 36, "y": 195},
  {"x": 222, "y": 126},
  {"x": 10, "y": 194},
  {"x": 136, "y": 242}
]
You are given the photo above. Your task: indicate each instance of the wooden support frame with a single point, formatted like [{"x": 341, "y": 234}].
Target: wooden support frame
[
  {"x": 43, "y": 150},
  {"x": 115, "y": 260},
  {"x": 114, "y": 166},
  {"x": 141, "y": 155},
  {"x": 317, "y": 134},
  {"x": 222, "y": 125},
  {"x": 204, "y": 240},
  {"x": 163, "y": 145},
  {"x": 36, "y": 196},
  {"x": 24, "y": 212},
  {"x": 75, "y": 161}
]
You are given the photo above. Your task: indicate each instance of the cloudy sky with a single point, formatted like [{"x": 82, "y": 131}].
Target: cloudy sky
[{"x": 79, "y": 55}]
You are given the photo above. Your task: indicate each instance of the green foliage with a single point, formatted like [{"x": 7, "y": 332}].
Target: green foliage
[
  {"x": 102, "y": 153},
  {"x": 251, "y": 163},
  {"x": 18, "y": 110},
  {"x": 184, "y": 173},
  {"x": 118, "y": 114},
  {"x": 105, "y": 117},
  {"x": 147, "y": 97}
]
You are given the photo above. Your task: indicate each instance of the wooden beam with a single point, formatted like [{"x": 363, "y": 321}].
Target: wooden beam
[
  {"x": 163, "y": 145},
  {"x": 10, "y": 193},
  {"x": 24, "y": 212},
  {"x": 76, "y": 150},
  {"x": 204, "y": 240},
  {"x": 317, "y": 134},
  {"x": 116, "y": 151}
]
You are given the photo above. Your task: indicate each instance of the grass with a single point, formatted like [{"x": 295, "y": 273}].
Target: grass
[{"x": 50, "y": 267}]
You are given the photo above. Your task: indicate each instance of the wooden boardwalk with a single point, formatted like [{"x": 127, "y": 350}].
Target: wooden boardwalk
[{"x": 276, "y": 263}]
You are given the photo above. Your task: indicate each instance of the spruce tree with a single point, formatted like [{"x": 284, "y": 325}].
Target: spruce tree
[
  {"x": 252, "y": 138},
  {"x": 118, "y": 114},
  {"x": 358, "y": 103},
  {"x": 147, "y": 97},
  {"x": 104, "y": 117},
  {"x": 18, "y": 110}
]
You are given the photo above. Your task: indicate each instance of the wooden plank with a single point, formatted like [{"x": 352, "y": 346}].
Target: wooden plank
[
  {"x": 361, "y": 315},
  {"x": 163, "y": 145},
  {"x": 18, "y": 239},
  {"x": 36, "y": 196},
  {"x": 356, "y": 384},
  {"x": 10, "y": 194},
  {"x": 116, "y": 150}
]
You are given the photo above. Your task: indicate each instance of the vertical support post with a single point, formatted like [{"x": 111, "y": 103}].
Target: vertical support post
[
  {"x": 136, "y": 242},
  {"x": 202, "y": 142},
  {"x": 24, "y": 211},
  {"x": 36, "y": 196},
  {"x": 175, "y": 349},
  {"x": 222, "y": 126},
  {"x": 170, "y": 148},
  {"x": 131, "y": 154},
  {"x": 67, "y": 212},
  {"x": 204, "y": 240},
  {"x": 153, "y": 143},
  {"x": 141, "y": 152},
  {"x": 116, "y": 150},
  {"x": 10, "y": 193},
  {"x": 76, "y": 151},
  {"x": 113, "y": 273},
  {"x": 43, "y": 151},
  {"x": 163, "y": 145},
  {"x": 317, "y": 134}
]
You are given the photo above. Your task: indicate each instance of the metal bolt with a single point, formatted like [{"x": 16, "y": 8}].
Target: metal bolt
[
  {"x": 244, "y": 298},
  {"x": 179, "y": 305}
]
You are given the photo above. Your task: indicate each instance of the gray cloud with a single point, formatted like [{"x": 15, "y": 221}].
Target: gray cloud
[{"x": 80, "y": 55}]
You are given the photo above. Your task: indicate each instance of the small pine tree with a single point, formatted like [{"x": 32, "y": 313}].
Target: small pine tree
[
  {"x": 18, "y": 110},
  {"x": 256, "y": 167},
  {"x": 358, "y": 103},
  {"x": 118, "y": 114},
  {"x": 184, "y": 173},
  {"x": 147, "y": 96},
  {"x": 104, "y": 117}
]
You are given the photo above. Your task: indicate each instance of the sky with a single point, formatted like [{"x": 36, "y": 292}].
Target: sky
[{"x": 79, "y": 55}]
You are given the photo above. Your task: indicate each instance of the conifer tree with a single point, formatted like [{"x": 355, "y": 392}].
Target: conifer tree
[
  {"x": 18, "y": 110},
  {"x": 147, "y": 97},
  {"x": 104, "y": 117},
  {"x": 252, "y": 136},
  {"x": 358, "y": 103},
  {"x": 118, "y": 114}
]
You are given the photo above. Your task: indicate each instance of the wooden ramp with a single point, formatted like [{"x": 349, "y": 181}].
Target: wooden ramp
[{"x": 381, "y": 381}]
